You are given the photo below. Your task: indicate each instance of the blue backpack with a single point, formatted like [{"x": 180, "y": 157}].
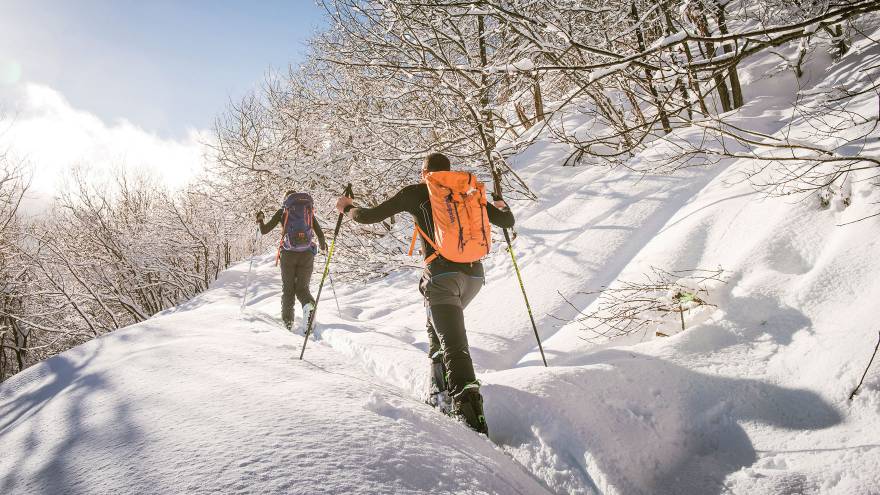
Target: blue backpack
[{"x": 296, "y": 224}]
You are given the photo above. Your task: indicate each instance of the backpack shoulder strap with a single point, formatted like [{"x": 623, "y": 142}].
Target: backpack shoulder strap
[{"x": 412, "y": 244}]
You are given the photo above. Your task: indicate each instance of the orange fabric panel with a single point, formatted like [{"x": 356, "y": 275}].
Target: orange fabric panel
[{"x": 462, "y": 232}]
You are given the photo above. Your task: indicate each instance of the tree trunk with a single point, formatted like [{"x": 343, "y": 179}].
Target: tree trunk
[
  {"x": 539, "y": 100},
  {"x": 3, "y": 353},
  {"x": 683, "y": 88},
  {"x": 735, "y": 87},
  {"x": 637, "y": 110},
  {"x": 487, "y": 126},
  {"x": 606, "y": 108},
  {"x": 692, "y": 77},
  {"x": 20, "y": 346},
  {"x": 649, "y": 76},
  {"x": 720, "y": 83},
  {"x": 521, "y": 115},
  {"x": 842, "y": 47}
]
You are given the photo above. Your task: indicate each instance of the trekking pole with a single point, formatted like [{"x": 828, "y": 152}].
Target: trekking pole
[
  {"x": 348, "y": 193},
  {"x": 496, "y": 195},
  {"x": 247, "y": 285},
  {"x": 333, "y": 288}
]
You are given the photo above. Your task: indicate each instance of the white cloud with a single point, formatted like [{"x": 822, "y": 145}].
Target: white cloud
[{"x": 41, "y": 127}]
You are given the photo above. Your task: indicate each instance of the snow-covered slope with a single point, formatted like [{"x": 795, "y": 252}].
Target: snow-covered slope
[
  {"x": 205, "y": 400},
  {"x": 751, "y": 398}
]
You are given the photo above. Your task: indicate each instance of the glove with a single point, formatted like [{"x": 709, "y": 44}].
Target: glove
[
  {"x": 501, "y": 205},
  {"x": 499, "y": 202},
  {"x": 323, "y": 246},
  {"x": 342, "y": 203},
  {"x": 260, "y": 217}
]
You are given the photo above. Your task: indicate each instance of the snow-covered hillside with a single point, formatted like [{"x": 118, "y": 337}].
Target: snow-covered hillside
[
  {"x": 203, "y": 400},
  {"x": 752, "y": 398}
]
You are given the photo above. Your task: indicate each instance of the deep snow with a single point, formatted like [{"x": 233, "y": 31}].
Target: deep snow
[
  {"x": 204, "y": 400},
  {"x": 751, "y": 398}
]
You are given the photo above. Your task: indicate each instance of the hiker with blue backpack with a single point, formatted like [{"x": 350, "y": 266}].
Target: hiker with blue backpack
[{"x": 296, "y": 252}]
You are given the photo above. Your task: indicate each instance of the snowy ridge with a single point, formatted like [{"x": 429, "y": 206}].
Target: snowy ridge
[{"x": 751, "y": 398}]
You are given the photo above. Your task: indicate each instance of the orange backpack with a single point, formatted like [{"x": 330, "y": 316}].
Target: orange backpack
[{"x": 462, "y": 232}]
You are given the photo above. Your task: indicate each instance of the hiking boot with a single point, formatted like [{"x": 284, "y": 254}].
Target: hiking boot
[
  {"x": 288, "y": 324},
  {"x": 307, "y": 313},
  {"x": 440, "y": 400},
  {"x": 468, "y": 405}
]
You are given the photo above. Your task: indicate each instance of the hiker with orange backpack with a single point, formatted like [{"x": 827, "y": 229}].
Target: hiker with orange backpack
[
  {"x": 296, "y": 252},
  {"x": 452, "y": 216}
]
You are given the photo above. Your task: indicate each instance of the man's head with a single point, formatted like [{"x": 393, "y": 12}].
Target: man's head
[{"x": 435, "y": 162}]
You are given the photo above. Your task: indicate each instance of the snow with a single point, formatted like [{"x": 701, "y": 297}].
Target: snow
[
  {"x": 477, "y": 11},
  {"x": 203, "y": 400},
  {"x": 607, "y": 71},
  {"x": 669, "y": 40},
  {"x": 752, "y": 398},
  {"x": 522, "y": 65}
]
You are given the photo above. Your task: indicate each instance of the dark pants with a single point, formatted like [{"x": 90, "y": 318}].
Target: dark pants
[
  {"x": 446, "y": 295},
  {"x": 296, "y": 273}
]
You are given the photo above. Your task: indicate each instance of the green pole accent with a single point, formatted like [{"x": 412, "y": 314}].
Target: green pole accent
[
  {"x": 525, "y": 297},
  {"x": 496, "y": 195},
  {"x": 348, "y": 193}
]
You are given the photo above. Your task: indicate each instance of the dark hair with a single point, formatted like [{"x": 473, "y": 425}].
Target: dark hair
[{"x": 436, "y": 162}]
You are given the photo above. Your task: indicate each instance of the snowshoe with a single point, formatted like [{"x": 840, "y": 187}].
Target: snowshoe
[
  {"x": 440, "y": 400},
  {"x": 468, "y": 405},
  {"x": 438, "y": 395},
  {"x": 288, "y": 324}
]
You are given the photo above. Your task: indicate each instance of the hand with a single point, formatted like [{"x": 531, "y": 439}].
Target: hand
[
  {"x": 500, "y": 204},
  {"x": 342, "y": 202},
  {"x": 323, "y": 246},
  {"x": 260, "y": 217}
]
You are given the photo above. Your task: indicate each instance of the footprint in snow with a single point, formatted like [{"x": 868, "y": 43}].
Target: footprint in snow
[{"x": 379, "y": 405}]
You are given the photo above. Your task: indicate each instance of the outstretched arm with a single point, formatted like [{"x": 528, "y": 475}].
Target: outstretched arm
[
  {"x": 500, "y": 216},
  {"x": 275, "y": 220},
  {"x": 319, "y": 232},
  {"x": 396, "y": 204}
]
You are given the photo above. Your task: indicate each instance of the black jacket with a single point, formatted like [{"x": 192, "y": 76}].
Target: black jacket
[{"x": 415, "y": 201}]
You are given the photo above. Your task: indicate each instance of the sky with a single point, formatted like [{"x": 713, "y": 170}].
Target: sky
[{"x": 119, "y": 80}]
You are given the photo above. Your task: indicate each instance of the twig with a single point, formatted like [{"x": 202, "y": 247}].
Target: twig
[
  {"x": 856, "y": 390},
  {"x": 630, "y": 307}
]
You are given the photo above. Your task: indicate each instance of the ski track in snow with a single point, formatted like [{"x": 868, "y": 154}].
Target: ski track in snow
[{"x": 751, "y": 398}]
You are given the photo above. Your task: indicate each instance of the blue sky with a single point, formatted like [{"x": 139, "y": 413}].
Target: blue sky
[{"x": 166, "y": 66}]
